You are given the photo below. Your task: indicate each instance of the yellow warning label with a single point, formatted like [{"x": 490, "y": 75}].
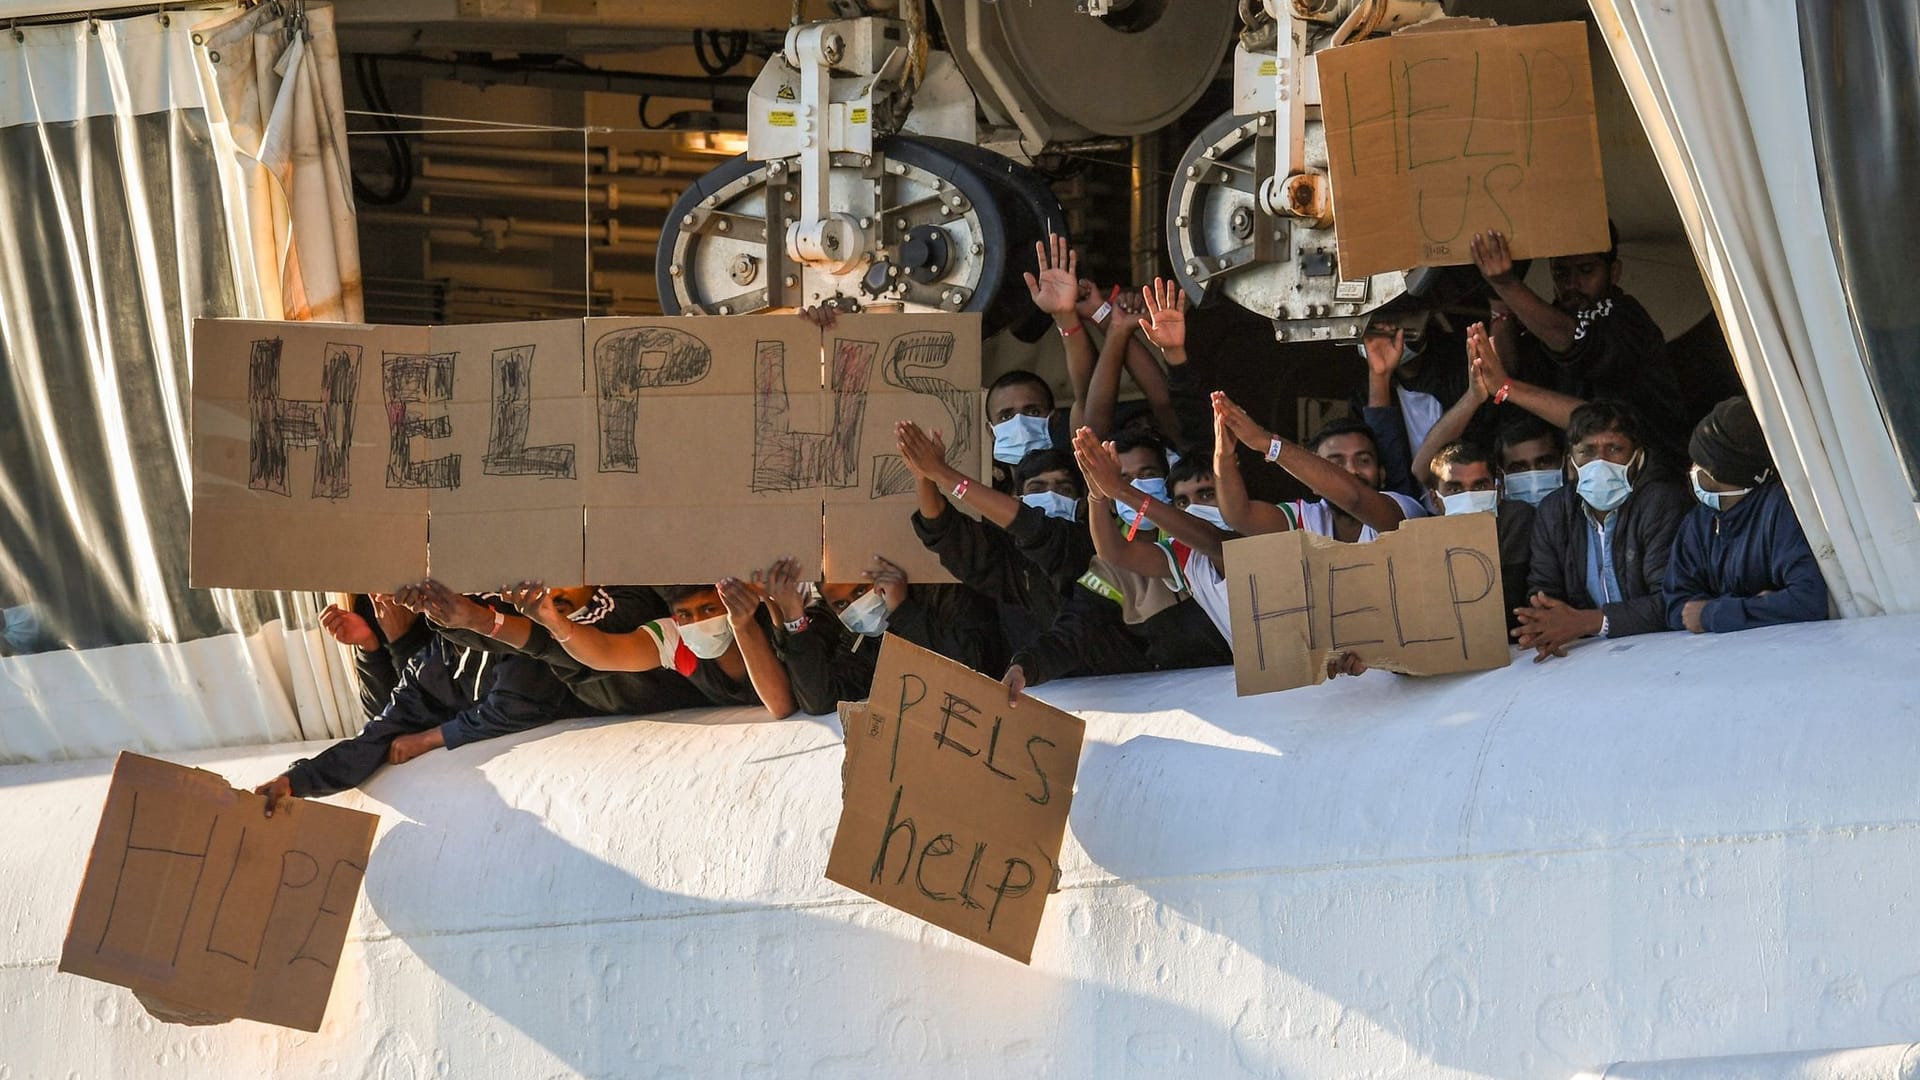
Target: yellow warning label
[
  {"x": 859, "y": 116},
  {"x": 1269, "y": 67},
  {"x": 780, "y": 119},
  {"x": 785, "y": 93}
]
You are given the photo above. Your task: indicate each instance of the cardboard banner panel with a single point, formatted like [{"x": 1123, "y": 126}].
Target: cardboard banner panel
[
  {"x": 883, "y": 368},
  {"x": 299, "y": 481},
  {"x": 194, "y": 897},
  {"x": 510, "y": 502},
  {"x": 1437, "y": 135},
  {"x": 955, "y": 805},
  {"x": 1424, "y": 599},
  {"x": 708, "y": 433}
]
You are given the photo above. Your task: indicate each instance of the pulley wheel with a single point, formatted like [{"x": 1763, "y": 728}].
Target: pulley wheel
[
  {"x": 722, "y": 249},
  {"x": 1128, "y": 73}
]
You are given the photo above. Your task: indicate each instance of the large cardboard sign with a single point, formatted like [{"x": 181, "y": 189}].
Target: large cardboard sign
[
  {"x": 955, "y": 805},
  {"x": 1424, "y": 599},
  {"x": 628, "y": 451},
  {"x": 194, "y": 897},
  {"x": 292, "y": 456},
  {"x": 1433, "y": 137}
]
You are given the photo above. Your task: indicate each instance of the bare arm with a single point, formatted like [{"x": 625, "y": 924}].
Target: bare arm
[
  {"x": 451, "y": 609},
  {"x": 1552, "y": 326},
  {"x": 1246, "y": 517},
  {"x": 1103, "y": 390},
  {"x": 764, "y": 669},
  {"x": 1054, "y": 290},
  {"x": 634, "y": 651},
  {"x": 1451, "y": 425},
  {"x": 1490, "y": 371},
  {"x": 1329, "y": 481},
  {"x": 1141, "y": 555},
  {"x": 926, "y": 458}
]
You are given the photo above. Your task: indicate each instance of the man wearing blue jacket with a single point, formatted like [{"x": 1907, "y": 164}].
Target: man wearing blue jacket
[{"x": 1740, "y": 559}]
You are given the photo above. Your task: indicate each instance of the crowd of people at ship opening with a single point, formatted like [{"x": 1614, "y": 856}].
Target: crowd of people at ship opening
[{"x": 1095, "y": 546}]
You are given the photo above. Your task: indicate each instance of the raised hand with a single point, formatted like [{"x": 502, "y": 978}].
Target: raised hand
[
  {"x": 1087, "y": 300},
  {"x": 925, "y": 455},
  {"x": 447, "y": 607},
  {"x": 1100, "y": 464},
  {"x": 1166, "y": 304},
  {"x": 348, "y": 628},
  {"x": 889, "y": 581},
  {"x": 1384, "y": 352},
  {"x": 394, "y": 617},
  {"x": 742, "y": 599},
  {"x": 1239, "y": 424},
  {"x": 782, "y": 585},
  {"x": 1490, "y": 254},
  {"x": 1058, "y": 284},
  {"x": 1483, "y": 361},
  {"x": 1129, "y": 311},
  {"x": 534, "y": 600}
]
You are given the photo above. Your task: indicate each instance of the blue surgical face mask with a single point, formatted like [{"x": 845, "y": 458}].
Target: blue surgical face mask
[
  {"x": 1019, "y": 435},
  {"x": 1054, "y": 504},
  {"x": 866, "y": 615},
  {"x": 1713, "y": 500},
  {"x": 1155, "y": 486},
  {"x": 1605, "y": 485},
  {"x": 1209, "y": 514},
  {"x": 1534, "y": 485},
  {"x": 1471, "y": 502}
]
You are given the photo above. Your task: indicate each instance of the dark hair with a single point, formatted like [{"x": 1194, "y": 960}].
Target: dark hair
[
  {"x": 1127, "y": 444},
  {"x": 1339, "y": 428},
  {"x": 1527, "y": 428},
  {"x": 1604, "y": 415},
  {"x": 1462, "y": 452},
  {"x": 1046, "y": 460},
  {"x": 673, "y": 594},
  {"x": 1019, "y": 376},
  {"x": 1190, "y": 467}
]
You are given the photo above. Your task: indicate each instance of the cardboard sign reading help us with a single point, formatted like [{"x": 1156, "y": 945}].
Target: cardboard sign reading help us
[
  {"x": 1434, "y": 136},
  {"x": 197, "y": 900},
  {"x": 955, "y": 805}
]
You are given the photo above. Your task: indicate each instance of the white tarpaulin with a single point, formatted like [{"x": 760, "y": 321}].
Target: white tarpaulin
[{"x": 1718, "y": 86}]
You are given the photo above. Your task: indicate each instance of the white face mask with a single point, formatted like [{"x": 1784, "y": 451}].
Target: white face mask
[
  {"x": 1713, "y": 500},
  {"x": 1155, "y": 486},
  {"x": 1605, "y": 485},
  {"x": 1053, "y": 504},
  {"x": 1534, "y": 485},
  {"x": 1209, "y": 514},
  {"x": 708, "y": 639},
  {"x": 1471, "y": 502},
  {"x": 866, "y": 615},
  {"x": 1019, "y": 435}
]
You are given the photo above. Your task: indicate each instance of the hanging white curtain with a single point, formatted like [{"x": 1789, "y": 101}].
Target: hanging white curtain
[
  {"x": 1718, "y": 86},
  {"x": 134, "y": 204}
]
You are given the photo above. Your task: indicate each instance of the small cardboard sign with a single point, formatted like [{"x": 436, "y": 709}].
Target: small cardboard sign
[
  {"x": 955, "y": 805},
  {"x": 1424, "y": 599},
  {"x": 1434, "y": 137},
  {"x": 596, "y": 451},
  {"x": 194, "y": 897}
]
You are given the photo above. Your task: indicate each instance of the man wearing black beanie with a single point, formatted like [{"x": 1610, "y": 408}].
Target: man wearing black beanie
[{"x": 1740, "y": 559}]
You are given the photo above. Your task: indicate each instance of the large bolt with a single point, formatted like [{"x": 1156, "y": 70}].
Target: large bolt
[
  {"x": 687, "y": 221},
  {"x": 726, "y": 309},
  {"x": 866, "y": 223},
  {"x": 724, "y": 226},
  {"x": 789, "y": 281},
  {"x": 674, "y": 269},
  {"x": 900, "y": 223}
]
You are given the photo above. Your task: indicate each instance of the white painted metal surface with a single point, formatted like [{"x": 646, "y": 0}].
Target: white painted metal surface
[{"x": 1660, "y": 848}]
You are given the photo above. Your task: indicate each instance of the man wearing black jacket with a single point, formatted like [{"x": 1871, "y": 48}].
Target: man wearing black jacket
[
  {"x": 448, "y": 696},
  {"x": 383, "y": 636},
  {"x": 1031, "y": 556},
  {"x": 1601, "y": 544},
  {"x": 613, "y": 609},
  {"x": 830, "y": 645}
]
